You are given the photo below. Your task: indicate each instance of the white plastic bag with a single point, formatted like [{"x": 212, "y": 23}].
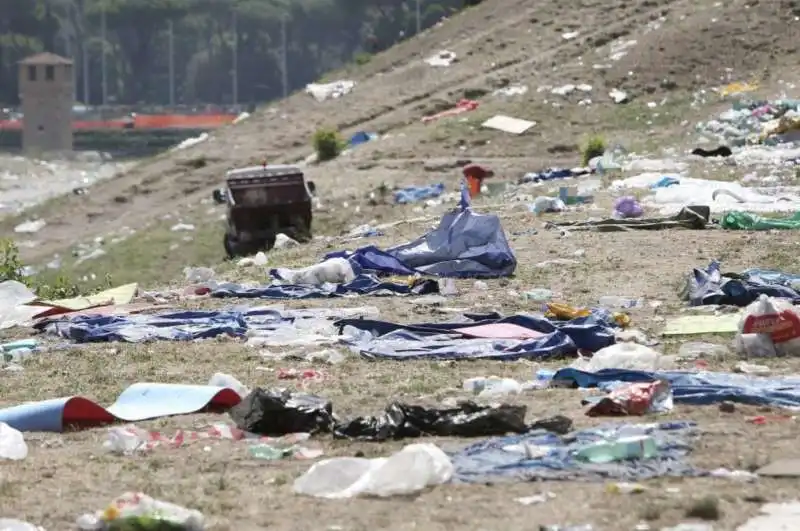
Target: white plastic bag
[
  {"x": 12, "y": 443},
  {"x": 136, "y": 504},
  {"x": 410, "y": 470},
  {"x": 769, "y": 326},
  {"x": 11, "y": 524},
  {"x": 630, "y": 356}
]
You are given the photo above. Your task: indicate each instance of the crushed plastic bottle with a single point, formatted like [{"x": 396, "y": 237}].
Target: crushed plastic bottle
[
  {"x": 693, "y": 350},
  {"x": 12, "y": 443},
  {"x": 636, "y": 447},
  {"x": 492, "y": 386},
  {"x": 538, "y": 295},
  {"x": 621, "y": 303}
]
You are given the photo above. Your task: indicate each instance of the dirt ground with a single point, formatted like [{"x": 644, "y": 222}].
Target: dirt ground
[
  {"x": 67, "y": 474},
  {"x": 698, "y": 45}
]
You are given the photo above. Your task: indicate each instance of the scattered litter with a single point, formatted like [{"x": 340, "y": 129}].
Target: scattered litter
[
  {"x": 633, "y": 399},
  {"x": 12, "y": 443},
  {"x": 625, "y": 488},
  {"x": 282, "y": 241},
  {"x": 11, "y": 524},
  {"x": 535, "y": 499},
  {"x": 442, "y": 58},
  {"x": 327, "y": 91},
  {"x": 412, "y": 469},
  {"x": 30, "y": 227},
  {"x": 507, "y": 124},
  {"x": 619, "y": 96},
  {"x": 133, "y": 508},
  {"x": 511, "y": 90},
  {"x": 774, "y": 517},
  {"x": 182, "y": 227}
]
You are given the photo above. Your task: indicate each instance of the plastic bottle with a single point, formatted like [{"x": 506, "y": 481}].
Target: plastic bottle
[
  {"x": 538, "y": 295},
  {"x": 615, "y": 302},
  {"x": 636, "y": 447},
  {"x": 12, "y": 443}
]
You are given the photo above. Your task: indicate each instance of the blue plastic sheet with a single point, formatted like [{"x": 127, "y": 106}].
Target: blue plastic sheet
[
  {"x": 414, "y": 194},
  {"x": 710, "y": 286},
  {"x": 363, "y": 284},
  {"x": 172, "y": 326},
  {"x": 696, "y": 388},
  {"x": 505, "y": 459},
  {"x": 361, "y": 137},
  {"x": 551, "y": 174},
  {"x": 441, "y": 341},
  {"x": 465, "y": 245}
]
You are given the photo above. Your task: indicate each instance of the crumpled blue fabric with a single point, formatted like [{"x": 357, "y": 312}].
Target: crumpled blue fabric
[
  {"x": 414, "y": 194},
  {"x": 696, "y": 388},
  {"x": 551, "y": 174},
  {"x": 171, "y": 326},
  {"x": 362, "y": 285},
  {"x": 502, "y": 459},
  {"x": 464, "y": 245},
  {"x": 441, "y": 341},
  {"x": 709, "y": 286}
]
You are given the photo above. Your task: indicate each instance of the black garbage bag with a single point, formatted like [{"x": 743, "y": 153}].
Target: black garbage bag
[
  {"x": 280, "y": 412},
  {"x": 557, "y": 424},
  {"x": 400, "y": 421}
]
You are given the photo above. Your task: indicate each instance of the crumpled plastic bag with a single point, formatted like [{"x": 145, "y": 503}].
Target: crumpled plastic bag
[
  {"x": 280, "y": 412},
  {"x": 627, "y": 207},
  {"x": 468, "y": 419},
  {"x": 410, "y": 470},
  {"x": 333, "y": 270},
  {"x": 134, "y": 510},
  {"x": 769, "y": 327}
]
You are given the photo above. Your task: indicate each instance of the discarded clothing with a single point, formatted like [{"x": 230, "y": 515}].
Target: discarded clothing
[
  {"x": 552, "y": 174},
  {"x": 696, "y": 388},
  {"x": 546, "y": 456},
  {"x": 414, "y": 194},
  {"x": 275, "y": 413},
  {"x": 721, "y": 151},
  {"x": 401, "y": 421},
  {"x": 140, "y": 401},
  {"x": 453, "y": 341},
  {"x": 361, "y": 285},
  {"x": 465, "y": 245},
  {"x": 710, "y": 286},
  {"x": 691, "y": 217},
  {"x": 748, "y": 221}
]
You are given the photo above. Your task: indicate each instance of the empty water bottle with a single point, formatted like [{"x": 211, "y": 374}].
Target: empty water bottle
[
  {"x": 636, "y": 447},
  {"x": 622, "y": 303}
]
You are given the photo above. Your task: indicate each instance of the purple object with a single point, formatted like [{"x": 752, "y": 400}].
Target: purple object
[{"x": 627, "y": 207}]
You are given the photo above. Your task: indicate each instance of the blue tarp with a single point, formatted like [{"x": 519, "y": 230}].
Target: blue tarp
[
  {"x": 362, "y": 285},
  {"x": 361, "y": 137},
  {"x": 551, "y": 174},
  {"x": 414, "y": 194},
  {"x": 465, "y": 245},
  {"x": 709, "y": 286},
  {"x": 384, "y": 340},
  {"x": 172, "y": 326},
  {"x": 697, "y": 388},
  {"x": 505, "y": 458}
]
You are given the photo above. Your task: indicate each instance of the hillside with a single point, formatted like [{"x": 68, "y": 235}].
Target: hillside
[{"x": 655, "y": 51}]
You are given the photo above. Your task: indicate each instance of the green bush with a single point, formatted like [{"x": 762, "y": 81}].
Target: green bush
[
  {"x": 595, "y": 147},
  {"x": 12, "y": 268},
  {"x": 327, "y": 143},
  {"x": 362, "y": 58}
]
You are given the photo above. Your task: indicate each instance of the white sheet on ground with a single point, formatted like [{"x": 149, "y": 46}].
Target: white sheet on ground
[{"x": 692, "y": 191}]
